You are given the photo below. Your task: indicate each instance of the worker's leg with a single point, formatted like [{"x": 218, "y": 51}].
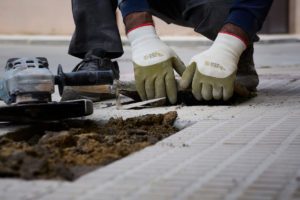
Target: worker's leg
[
  {"x": 96, "y": 28},
  {"x": 207, "y": 18},
  {"x": 96, "y": 40}
]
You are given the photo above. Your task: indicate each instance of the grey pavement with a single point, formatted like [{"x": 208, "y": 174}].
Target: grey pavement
[
  {"x": 245, "y": 151},
  {"x": 270, "y": 54}
]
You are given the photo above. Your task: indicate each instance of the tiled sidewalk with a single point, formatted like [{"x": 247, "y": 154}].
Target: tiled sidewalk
[{"x": 249, "y": 151}]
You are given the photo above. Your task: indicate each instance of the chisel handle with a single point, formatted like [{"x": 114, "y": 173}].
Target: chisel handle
[
  {"x": 83, "y": 78},
  {"x": 88, "y": 78}
]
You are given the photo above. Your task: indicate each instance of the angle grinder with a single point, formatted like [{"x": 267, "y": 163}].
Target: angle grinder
[{"x": 28, "y": 84}]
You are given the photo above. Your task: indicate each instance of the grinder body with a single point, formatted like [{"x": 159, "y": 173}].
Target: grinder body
[{"x": 27, "y": 80}]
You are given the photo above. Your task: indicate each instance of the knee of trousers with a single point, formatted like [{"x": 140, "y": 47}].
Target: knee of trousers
[{"x": 209, "y": 18}]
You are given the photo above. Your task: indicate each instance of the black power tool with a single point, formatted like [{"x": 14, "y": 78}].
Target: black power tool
[{"x": 28, "y": 84}]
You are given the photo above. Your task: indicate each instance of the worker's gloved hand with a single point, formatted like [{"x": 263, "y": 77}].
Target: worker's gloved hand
[
  {"x": 154, "y": 64},
  {"x": 212, "y": 73}
]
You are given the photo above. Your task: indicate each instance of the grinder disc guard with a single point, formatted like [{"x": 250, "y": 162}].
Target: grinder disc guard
[{"x": 51, "y": 111}]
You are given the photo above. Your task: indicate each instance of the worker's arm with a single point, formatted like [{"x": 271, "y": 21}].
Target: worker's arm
[
  {"x": 154, "y": 62},
  {"x": 249, "y": 15},
  {"x": 132, "y": 6},
  {"x": 212, "y": 73}
]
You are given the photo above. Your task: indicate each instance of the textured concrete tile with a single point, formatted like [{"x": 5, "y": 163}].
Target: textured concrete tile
[{"x": 246, "y": 151}]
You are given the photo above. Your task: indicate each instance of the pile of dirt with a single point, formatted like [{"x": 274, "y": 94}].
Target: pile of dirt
[{"x": 69, "y": 149}]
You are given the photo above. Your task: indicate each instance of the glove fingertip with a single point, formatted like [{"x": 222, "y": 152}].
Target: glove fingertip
[
  {"x": 172, "y": 100},
  {"x": 172, "y": 92},
  {"x": 171, "y": 88},
  {"x": 187, "y": 77},
  {"x": 206, "y": 92},
  {"x": 197, "y": 88},
  {"x": 140, "y": 87},
  {"x": 197, "y": 95},
  {"x": 142, "y": 95},
  {"x": 178, "y": 65},
  {"x": 183, "y": 84},
  {"x": 227, "y": 94}
]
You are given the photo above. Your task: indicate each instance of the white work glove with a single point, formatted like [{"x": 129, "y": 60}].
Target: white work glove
[
  {"x": 154, "y": 64},
  {"x": 213, "y": 72}
]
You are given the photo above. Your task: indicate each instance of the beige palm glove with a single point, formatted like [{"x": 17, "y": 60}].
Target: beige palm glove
[
  {"x": 212, "y": 73},
  {"x": 154, "y": 64}
]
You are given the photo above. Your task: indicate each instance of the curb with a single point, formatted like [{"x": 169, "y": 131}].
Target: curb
[
  {"x": 170, "y": 40},
  {"x": 34, "y": 40}
]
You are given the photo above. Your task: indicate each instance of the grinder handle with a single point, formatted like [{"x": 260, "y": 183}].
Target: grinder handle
[
  {"x": 83, "y": 78},
  {"x": 89, "y": 78}
]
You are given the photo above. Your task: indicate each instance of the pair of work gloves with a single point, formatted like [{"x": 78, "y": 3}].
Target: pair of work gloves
[{"x": 210, "y": 74}]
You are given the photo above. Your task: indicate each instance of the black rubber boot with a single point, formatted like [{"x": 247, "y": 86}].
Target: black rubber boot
[
  {"x": 246, "y": 73},
  {"x": 93, "y": 62}
]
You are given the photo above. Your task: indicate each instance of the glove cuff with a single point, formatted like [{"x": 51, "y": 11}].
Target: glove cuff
[
  {"x": 244, "y": 40},
  {"x": 141, "y": 32},
  {"x": 230, "y": 43},
  {"x": 140, "y": 26}
]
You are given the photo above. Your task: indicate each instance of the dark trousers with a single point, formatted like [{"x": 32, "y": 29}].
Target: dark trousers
[{"x": 96, "y": 26}]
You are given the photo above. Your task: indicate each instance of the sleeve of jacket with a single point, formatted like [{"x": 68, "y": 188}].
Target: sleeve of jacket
[
  {"x": 249, "y": 14},
  {"x": 130, "y": 6}
]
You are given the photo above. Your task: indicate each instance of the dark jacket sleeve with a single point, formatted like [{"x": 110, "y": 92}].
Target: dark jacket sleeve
[
  {"x": 130, "y": 6},
  {"x": 249, "y": 14}
]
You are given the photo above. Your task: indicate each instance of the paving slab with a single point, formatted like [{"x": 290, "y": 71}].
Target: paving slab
[{"x": 245, "y": 151}]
